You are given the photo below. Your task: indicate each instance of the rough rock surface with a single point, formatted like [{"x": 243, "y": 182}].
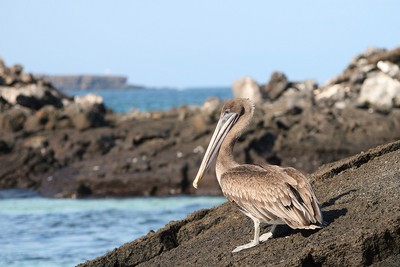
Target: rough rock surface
[
  {"x": 246, "y": 87},
  {"x": 80, "y": 149},
  {"x": 381, "y": 91},
  {"x": 276, "y": 85},
  {"x": 33, "y": 104},
  {"x": 360, "y": 199}
]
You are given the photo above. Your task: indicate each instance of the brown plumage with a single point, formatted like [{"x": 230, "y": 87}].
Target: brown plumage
[{"x": 268, "y": 194}]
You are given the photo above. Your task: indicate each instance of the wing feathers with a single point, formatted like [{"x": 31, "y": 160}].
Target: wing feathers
[{"x": 273, "y": 194}]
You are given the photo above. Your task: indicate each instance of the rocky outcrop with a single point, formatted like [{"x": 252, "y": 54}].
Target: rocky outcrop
[
  {"x": 82, "y": 150},
  {"x": 359, "y": 197},
  {"x": 342, "y": 117},
  {"x": 82, "y": 82},
  {"x": 246, "y": 87},
  {"x": 32, "y": 104},
  {"x": 380, "y": 91},
  {"x": 277, "y": 84},
  {"x": 370, "y": 81}
]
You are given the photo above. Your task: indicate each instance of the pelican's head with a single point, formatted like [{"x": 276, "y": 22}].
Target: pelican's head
[{"x": 231, "y": 113}]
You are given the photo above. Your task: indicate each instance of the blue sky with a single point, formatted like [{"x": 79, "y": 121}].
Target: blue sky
[{"x": 181, "y": 43}]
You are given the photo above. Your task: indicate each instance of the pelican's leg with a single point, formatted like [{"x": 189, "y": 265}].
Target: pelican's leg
[
  {"x": 268, "y": 235},
  {"x": 255, "y": 241}
]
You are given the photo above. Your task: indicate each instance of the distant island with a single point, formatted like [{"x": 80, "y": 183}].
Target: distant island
[{"x": 84, "y": 82}]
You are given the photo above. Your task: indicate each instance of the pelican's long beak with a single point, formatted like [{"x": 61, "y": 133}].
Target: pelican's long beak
[{"x": 225, "y": 123}]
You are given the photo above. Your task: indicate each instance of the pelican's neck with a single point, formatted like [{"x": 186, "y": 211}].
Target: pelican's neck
[{"x": 225, "y": 159}]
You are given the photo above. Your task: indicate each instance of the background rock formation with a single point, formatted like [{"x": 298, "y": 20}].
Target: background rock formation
[
  {"x": 67, "y": 82},
  {"x": 73, "y": 147},
  {"x": 30, "y": 104}
]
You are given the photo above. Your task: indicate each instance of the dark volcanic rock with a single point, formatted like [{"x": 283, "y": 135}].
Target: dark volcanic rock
[
  {"x": 276, "y": 85},
  {"x": 360, "y": 199},
  {"x": 98, "y": 153},
  {"x": 13, "y": 119},
  {"x": 127, "y": 160}
]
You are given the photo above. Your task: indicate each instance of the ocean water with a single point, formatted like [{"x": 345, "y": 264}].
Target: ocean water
[
  {"x": 124, "y": 100},
  {"x": 37, "y": 231}
]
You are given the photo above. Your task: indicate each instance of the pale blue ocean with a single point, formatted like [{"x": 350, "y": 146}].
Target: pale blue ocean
[
  {"x": 37, "y": 231},
  {"x": 121, "y": 100}
]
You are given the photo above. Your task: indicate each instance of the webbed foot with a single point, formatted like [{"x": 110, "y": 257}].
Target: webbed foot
[
  {"x": 246, "y": 246},
  {"x": 265, "y": 237}
]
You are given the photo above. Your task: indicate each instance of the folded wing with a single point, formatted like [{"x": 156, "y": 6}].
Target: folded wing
[{"x": 273, "y": 195}]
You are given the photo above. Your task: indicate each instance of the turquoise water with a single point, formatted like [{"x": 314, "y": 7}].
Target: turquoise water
[
  {"x": 123, "y": 100},
  {"x": 37, "y": 231}
]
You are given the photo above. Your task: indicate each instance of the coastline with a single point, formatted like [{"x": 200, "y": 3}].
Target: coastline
[
  {"x": 69, "y": 147},
  {"x": 85, "y": 82},
  {"x": 75, "y": 147},
  {"x": 362, "y": 225}
]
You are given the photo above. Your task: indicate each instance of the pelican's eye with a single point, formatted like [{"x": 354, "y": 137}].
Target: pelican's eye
[
  {"x": 226, "y": 111},
  {"x": 242, "y": 111}
]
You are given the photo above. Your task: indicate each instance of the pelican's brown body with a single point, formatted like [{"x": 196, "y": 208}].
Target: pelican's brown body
[
  {"x": 272, "y": 195},
  {"x": 268, "y": 194}
]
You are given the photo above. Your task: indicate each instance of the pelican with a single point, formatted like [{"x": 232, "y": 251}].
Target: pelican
[{"x": 266, "y": 194}]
